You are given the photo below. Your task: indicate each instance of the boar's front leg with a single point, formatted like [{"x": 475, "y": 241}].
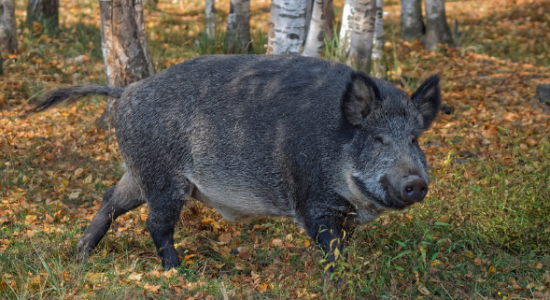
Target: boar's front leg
[{"x": 327, "y": 233}]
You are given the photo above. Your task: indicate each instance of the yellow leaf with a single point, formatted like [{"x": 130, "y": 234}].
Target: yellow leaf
[
  {"x": 307, "y": 243},
  {"x": 94, "y": 277},
  {"x": 135, "y": 276},
  {"x": 421, "y": 288},
  {"x": 74, "y": 195},
  {"x": 492, "y": 270},
  {"x": 29, "y": 219},
  {"x": 225, "y": 237},
  {"x": 151, "y": 288},
  {"x": 263, "y": 287},
  {"x": 469, "y": 254},
  {"x": 88, "y": 179},
  {"x": 78, "y": 172},
  {"x": 436, "y": 263},
  {"x": 288, "y": 237},
  {"x": 277, "y": 242}
]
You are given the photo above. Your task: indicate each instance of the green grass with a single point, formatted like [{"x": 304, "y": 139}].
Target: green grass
[{"x": 482, "y": 233}]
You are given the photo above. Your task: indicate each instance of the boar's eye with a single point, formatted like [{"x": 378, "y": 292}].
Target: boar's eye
[
  {"x": 414, "y": 140},
  {"x": 379, "y": 140}
]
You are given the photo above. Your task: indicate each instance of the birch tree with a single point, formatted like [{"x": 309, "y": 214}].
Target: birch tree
[
  {"x": 8, "y": 26},
  {"x": 362, "y": 35},
  {"x": 238, "y": 27},
  {"x": 347, "y": 27},
  {"x": 45, "y": 12},
  {"x": 412, "y": 25},
  {"x": 287, "y": 26},
  {"x": 379, "y": 64},
  {"x": 437, "y": 28},
  {"x": 316, "y": 33},
  {"x": 210, "y": 15},
  {"x": 126, "y": 53}
]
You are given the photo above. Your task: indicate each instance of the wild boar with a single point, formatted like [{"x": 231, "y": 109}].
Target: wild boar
[{"x": 255, "y": 135}]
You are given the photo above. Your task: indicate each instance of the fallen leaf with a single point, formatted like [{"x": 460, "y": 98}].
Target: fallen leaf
[{"x": 277, "y": 242}]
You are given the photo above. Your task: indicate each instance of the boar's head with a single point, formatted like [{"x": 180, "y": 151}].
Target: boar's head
[{"x": 384, "y": 165}]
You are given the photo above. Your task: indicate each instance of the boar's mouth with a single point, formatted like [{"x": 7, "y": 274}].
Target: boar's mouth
[{"x": 392, "y": 199}]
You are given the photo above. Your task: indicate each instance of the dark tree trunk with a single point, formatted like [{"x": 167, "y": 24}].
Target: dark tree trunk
[
  {"x": 126, "y": 53},
  {"x": 412, "y": 25},
  {"x": 45, "y": 12},
  {"x": 437, "y": 28},
  {"x": 8, "y": 29},
  {"x": 362, "y": 35},
  {"x": 237, "y": 36}
]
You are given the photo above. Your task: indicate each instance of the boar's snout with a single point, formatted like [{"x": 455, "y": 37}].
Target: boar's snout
[{"x": 414, "y": 189}]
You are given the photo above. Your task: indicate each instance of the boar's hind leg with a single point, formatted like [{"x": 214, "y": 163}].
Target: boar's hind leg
[
  {"x": 117, "y": 200},
  {"x": 164, "y": 212}
]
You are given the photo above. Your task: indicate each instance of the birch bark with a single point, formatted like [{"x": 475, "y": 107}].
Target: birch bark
[
  {"x": 412, "y": 25},
  {"x": 45, "y": 12},
  {"x": 237, "y": 36},
  {"x": 210, "y": 14},
  {"x": 379, "y": 64},
  {"x": 362, "y": 35},
  {"x": 316, "y": 35},
  {"x": 347, "y": 27},
  {"x": 287, "y": 26},
  {"x": 437, "y": 28},
  {"x": 126, "y": 53},
  {"x": 8, "y": 26}
]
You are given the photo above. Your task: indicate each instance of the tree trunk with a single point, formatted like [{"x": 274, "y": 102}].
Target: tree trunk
[
  {"x": 362, "y": 35},
  {"x": 45, "y": 12},
  {"x": 287, "y": 26},
  {"x": 328, "y": 10},
  {"x": 210, "y": 14},
  {"x": 316, "y": 34},
  {"x": 412, "y": 25},
  {"x": 8, "y": 26},
  {"x": 347, "y": 27},
  {"x": 237, "y": 36},
  {"x": 437, "y": 28},
  {"x": 126, "y": 53},
  {"x": 379, "y": 64}
]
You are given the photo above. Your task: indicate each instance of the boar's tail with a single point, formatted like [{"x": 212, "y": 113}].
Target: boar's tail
[{"x": 74, "y": 93}]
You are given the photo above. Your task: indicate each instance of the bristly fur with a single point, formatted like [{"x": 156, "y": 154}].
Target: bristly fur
[
  {"x": 263, "y": 135},
  {"x": 73, "y": 93}
]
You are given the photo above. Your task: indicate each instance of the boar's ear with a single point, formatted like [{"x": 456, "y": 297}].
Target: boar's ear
[
  {"x": 359, "y": 98},
  {"x": 427, "y": 99}
]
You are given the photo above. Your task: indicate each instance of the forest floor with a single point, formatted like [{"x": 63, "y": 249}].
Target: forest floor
[{"x": 483, "y": 232}]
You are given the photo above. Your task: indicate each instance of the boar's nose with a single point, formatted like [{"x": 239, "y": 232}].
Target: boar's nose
[{"x": 415, "y": 189}]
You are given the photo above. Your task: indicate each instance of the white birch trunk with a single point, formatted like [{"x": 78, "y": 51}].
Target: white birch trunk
[
  {"x": 362, "y": 35},
  {"x": 210, "y": 15},
  {"x": 412, "y": 26},
  {"x": 379, "y": 64},
  {"x": 126, "y": 53},
  {"x": 347, "y": 27},
  {"x": 437, "y": 28},
  {"x": 8, "y": 26},
  {"x": 316, "y": 35},
  {"x": 237, "y": 36},
  {"x": 287, "y": 26}
]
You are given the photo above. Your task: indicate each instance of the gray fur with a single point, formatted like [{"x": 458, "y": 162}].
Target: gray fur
[{"x": 255, "y": 136}]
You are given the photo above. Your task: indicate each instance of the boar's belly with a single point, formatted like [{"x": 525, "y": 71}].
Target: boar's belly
[{"x": 241, "y": 204}]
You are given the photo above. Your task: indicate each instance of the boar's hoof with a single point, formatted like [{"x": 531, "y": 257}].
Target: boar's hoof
[
  {"x": 415, "y": 190},
  {"x": 84, "y": 248}
]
